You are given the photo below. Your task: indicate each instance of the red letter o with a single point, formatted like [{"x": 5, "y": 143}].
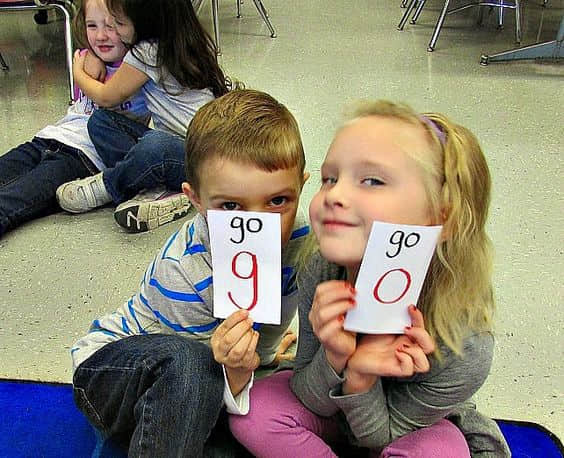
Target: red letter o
[{"x": 377, "y": 287}]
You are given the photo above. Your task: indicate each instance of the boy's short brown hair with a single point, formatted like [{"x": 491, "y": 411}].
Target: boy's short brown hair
[{"x": 246, "y": 126}]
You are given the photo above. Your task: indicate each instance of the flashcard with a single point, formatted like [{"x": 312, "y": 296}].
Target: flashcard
[
  {"x": 391, "y": 276},
  {"x": 246, "y": 262}
]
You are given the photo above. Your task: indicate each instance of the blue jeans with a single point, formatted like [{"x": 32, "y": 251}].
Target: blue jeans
[
  {"x": 30, "y": 175},
  {"x": 157, "y": 395},
  {"x": 137, "y": 157}
]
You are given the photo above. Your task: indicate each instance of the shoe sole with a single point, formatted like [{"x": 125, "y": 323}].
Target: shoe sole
[{"x": 145, "y": 217}]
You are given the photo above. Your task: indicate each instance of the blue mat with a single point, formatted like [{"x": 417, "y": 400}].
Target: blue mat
[{"x": 41, "y": 420}]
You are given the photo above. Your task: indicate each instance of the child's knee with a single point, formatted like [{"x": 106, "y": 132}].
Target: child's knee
[{"x": 441, "y": 440}]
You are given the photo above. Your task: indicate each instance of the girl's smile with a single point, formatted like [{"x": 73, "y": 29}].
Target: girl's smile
[
  {"x": 368, "y": 176},
  {"x": 101, "y": 36}
]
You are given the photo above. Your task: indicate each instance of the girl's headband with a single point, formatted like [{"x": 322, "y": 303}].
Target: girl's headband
[{"x": 435, "y": 128}]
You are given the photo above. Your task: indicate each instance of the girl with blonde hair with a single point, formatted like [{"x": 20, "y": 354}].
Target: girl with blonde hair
[{"x": 408, "y": 394}]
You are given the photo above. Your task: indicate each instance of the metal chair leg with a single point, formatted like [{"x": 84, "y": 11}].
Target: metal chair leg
[
  {"x": 406, "y": 14},
  {"x": 500, "y": 15},
  {"x": 420, "y": 6},
  {"x": 518, "y": 21},
  {"x": 262, "y": 11},
  {"x": 238, "y": 9},
  {"x": 215, "y": 14},
  {"x": 68, "y": 46},
  {"x": 438, "y": 27},
  {"x": 3, "y": 63}
]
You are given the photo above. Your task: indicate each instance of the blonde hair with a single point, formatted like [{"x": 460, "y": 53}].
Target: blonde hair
[
  {"x": 457, "y": 295},
  {"x": 245, "y": 126}
]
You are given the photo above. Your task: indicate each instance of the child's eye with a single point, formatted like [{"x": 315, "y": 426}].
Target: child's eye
[
  {"x": 372, "y": 182},
  {"x": 278, "y": 201},
  {"x": 229, "y": 206},
  {"x": 328, "y": 180}
]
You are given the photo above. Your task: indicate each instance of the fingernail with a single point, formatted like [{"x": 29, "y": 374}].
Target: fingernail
[
  {"x": 352, "y": 301},
  {"x": 341, "y": 318},
  {"x": 412, "y": 308},
  {"x": 407, "y": 328}
]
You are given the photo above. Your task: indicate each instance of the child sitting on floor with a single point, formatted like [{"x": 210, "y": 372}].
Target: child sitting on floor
[
  {"x": 145, "y": 375},
  {"x": 31, "y": 173},
  {"x": 173, "y": 62},
  {"x": 394, "y": 395}
]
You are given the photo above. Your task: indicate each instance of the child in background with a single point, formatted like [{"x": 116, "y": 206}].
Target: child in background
[
  {"x": 172, "y": 60},
  {"x": 394, "y": 395},
  {"x": 146, "y": 375},
  {"x": 30, "y": 173}
]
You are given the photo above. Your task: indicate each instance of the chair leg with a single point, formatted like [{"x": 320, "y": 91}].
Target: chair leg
[
  {"x": 500, "y": 15},
  {"x": 420, "y": 6},
  {"x": 407, "y": 12},
  {"x": 438, "y": 27},
  {"x": 3, "y": 63},
  {"x": 262, "y": 11},
  {"x": 238, "y": 9},
  {"x": 68, "y": 46},
  {"x": 215, "y": 14},
  {"x": 518, "y": 21}
]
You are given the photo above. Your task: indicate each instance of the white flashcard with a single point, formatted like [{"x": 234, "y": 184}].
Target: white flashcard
[
  {"x": 246, "y": 262},
  {"x": 391, "y": 276}
]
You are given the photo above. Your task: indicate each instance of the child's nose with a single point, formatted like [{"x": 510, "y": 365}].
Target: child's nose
[
  {"x": 337, "y": 194},
  {"x": 102, "y": 34}
]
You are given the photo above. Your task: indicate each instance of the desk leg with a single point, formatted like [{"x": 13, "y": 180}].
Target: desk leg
[{"x": 549, "y": 50}]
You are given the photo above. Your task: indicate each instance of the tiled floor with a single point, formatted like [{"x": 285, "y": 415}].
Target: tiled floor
[{"x": 58, "y": 273}]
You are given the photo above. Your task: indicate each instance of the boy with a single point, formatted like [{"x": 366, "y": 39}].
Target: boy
[{"x": 145, "y": 374}]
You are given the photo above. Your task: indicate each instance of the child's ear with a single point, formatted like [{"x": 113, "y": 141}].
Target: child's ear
[
  {"x": 191, "y": 194},
  {"x": 306, "y": 177}
]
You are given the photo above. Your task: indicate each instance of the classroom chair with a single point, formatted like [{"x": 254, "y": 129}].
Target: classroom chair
[
  {"x": 215, "y": 16},
  {"x": 64, "y": 6}
]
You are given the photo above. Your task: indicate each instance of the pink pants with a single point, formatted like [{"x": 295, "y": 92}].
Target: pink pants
[{"x": 279, "y": 425}]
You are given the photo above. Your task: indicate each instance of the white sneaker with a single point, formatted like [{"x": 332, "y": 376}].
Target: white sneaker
[
  {"x": 151, "y": 209},
  {"x": 80, "y": 196}
]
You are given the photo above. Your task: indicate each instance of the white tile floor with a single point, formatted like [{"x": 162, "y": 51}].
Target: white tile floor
[{"x": 59, "y": 272}]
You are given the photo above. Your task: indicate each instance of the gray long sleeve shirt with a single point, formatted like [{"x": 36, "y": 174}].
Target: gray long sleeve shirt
[{"x": 395, "y": 406}]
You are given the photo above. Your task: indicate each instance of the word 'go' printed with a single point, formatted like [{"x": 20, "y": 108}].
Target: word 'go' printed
[
  {"x": 391, "y": 276},
  {"x": 246, "y": 262}
]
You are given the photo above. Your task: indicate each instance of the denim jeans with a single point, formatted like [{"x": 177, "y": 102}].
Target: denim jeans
[
  {"x": 157, "y": 395},
  {"x": 137, "y": 157},
  {"x": 30, "y": 175}
]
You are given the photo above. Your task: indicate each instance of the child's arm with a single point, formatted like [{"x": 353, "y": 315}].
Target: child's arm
[
  {"x": 405, "y": 404},
  {"x": 314, "y": 376},
  {"x": 234, "y": 344},
  {"x": 94, "y": 66},
  {"x": 389, "y": 355},
  {"x": 125, "y": 82}
]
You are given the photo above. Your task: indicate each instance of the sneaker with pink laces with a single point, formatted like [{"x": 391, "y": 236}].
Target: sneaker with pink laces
[{"x": 151, "y": 209}]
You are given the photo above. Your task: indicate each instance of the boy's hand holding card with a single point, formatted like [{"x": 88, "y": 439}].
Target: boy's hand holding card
[
  {"x": 391, "y": 276},
  {"x": 246, "y": 262}
]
